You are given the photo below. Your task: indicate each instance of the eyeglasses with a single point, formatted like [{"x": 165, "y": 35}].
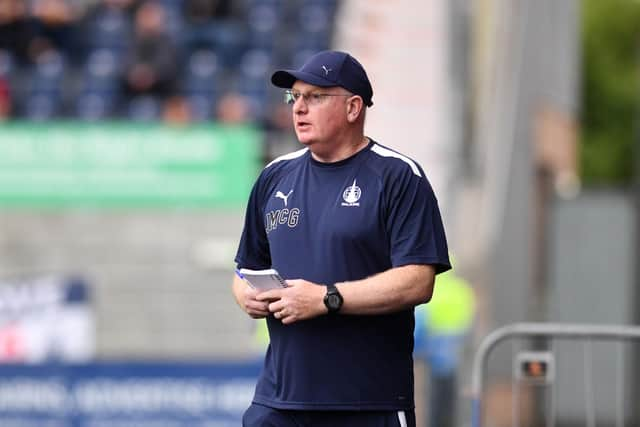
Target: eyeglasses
[{"x": 313, "y": 98}]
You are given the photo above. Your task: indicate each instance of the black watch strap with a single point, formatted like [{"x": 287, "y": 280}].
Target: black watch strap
[{"x": 333, "y": 299}]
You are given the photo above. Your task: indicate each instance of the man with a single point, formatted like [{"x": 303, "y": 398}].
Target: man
[{"x": 355, "y": 229}]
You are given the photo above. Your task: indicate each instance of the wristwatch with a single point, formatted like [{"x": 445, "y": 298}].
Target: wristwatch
[{"x": 333, "y": 300}]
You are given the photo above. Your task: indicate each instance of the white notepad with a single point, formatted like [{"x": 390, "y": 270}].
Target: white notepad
[{"x": 263, "y": 279}]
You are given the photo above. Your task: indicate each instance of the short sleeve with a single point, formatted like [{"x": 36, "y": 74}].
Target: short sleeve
[
  {"x": 253, "y": 250},
  {"x": 414, "y": 223}
]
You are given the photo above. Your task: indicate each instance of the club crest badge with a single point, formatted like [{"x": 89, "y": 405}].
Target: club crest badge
[{"x": 351, "y": 195}]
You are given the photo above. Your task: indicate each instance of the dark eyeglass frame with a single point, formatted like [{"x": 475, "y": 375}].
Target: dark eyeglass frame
[{"x": 313, "y": 98}]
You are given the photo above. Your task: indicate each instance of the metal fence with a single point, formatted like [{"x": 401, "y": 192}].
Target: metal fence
[{"x": 537, "y": 366}]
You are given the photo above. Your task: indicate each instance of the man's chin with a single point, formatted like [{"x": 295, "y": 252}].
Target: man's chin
[{"x": 305, "y": 141}]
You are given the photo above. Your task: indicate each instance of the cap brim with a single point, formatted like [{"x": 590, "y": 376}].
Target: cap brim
[{"x": 286, "y": 79}]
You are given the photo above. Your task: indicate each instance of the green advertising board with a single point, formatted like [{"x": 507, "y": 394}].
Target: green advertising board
[{"x": 127, "y": 165}]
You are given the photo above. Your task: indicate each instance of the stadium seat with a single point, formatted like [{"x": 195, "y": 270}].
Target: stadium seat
[
  {"x": 217, "y": 56},
  {"x": 263, "y": 21},
  {"x": 202, "y": 106},
  {"x": 48, "y": 72},
  {"x": 102, "y": 71},
  {"x": 256, "y": 64},
  {"x": 201, "y": 71},
  {"x": 6, "y": 63},
  {"x": 111, "y": 29},
  {"x": 301, "y": 56},
  {"x": 144, "y": 109},
  {"x": 174, "y": 22},
  {"x": 43, "y": 88},
  {"x": 314, "y": 27},
  {"x": 100, "y": 86},
  {"x": 94, "y": 106},
  {"x": 200, "y": 83},
  {"x": 41, "y": 107}
]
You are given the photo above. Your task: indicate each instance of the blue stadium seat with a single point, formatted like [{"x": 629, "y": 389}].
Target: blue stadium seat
[
  {"x": 250, "y": 4},
  {"x": 202, "y": 106},
  {"x": 43, "y": 89},
  {"x": 144, "y": 109},
  {"x": 7, "y": 63},
  {"x": 300, "y": 56},
  {"x": 102, "y": 71},
  {"x": 201, "y": 72},
  {"x": 256, "y": 64},
  {"x": 112, "y": 29},
  {"x": 314, "y": 18},
  {"x": 41, "y": 106},
  {"x": 227, "y": 39},
  {"x": 173, "y": 15},
  {"x": 315, "y": 23},
  {"x": 216, "y": 57},
  {"x": 200, "y": 83},
  {"x": 100, "y": 86},
  {"x": 263, "y": 21},
  {"x": 94, "y": 106},
  {"x": 330, "y": 6},
  {"x": 48, "y": 72}
]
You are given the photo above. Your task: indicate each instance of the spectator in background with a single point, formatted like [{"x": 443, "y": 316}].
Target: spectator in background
[
  {"x": 176, "y": 111},
  {"x": 233, "y": 109},
  {"x": 198, "y": 12},
  {"x": 127, "y": 5},
  {"x": 114, "y": 12},
  {"x": 441, "y": 327},
  {"x": 216, "y": 25},
  {"x": 56, "y": 27},
  {"x": 151, "y": 61},
  {"x": 17, "y": 30},
  {"x": 97, "y": 9},
  {"x": 5, "y": 100}
]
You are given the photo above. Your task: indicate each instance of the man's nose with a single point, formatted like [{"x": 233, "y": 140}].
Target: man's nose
[{"x": 300, "y": 105}]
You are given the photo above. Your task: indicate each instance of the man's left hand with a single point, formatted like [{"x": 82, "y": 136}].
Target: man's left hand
[{"x": 300, "y": 300}]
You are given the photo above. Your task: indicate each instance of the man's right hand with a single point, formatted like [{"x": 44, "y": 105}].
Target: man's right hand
[{"x": 245, "y": 296}]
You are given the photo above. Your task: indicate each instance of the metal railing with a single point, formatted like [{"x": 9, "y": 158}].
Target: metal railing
[{"x": 539, "y": 330}]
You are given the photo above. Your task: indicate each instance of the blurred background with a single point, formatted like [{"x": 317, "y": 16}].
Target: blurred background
[{"x": 130, "y": 135}]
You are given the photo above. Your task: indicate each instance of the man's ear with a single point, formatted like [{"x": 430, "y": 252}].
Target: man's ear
[{"x": 354, "y": 108}]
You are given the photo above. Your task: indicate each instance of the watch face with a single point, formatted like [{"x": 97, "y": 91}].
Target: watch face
[{"x": 333, "y": 301}]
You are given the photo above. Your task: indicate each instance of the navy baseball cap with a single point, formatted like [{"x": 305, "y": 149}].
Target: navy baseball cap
[{"x": 329, "y": 68}]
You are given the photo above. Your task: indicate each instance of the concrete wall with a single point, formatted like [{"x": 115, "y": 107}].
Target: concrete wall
[
  {"x": 591, "y": 257},
  {"x": 160, "y": 280}
]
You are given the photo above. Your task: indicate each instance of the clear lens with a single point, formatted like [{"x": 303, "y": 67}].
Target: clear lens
[{"x": 289, "y": 97}]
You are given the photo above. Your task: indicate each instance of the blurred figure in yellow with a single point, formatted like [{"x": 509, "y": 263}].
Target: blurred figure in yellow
[
  {"x": 260, "y": 336},
  {"x": 441, "y": 326}
]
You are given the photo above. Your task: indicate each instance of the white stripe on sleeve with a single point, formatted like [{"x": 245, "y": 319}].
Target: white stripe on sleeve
[
  {"x": 385, "y": 152},
  {"x": 402, "y": 418}
]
